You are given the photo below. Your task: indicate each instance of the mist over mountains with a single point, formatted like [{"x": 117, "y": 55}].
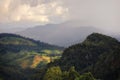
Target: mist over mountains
[
  {"x": 64, "y": 34},
  {"x": 59, "y": 40}
]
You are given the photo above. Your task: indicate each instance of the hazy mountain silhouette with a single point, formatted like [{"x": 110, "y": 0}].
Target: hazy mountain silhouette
[{"x": 64, "y": 34}]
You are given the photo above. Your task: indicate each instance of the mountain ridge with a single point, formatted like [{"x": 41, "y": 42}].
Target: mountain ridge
[
  {"x": 22, "y": 51},
  {"x": 96, "y": 54},
  {"x": 63, "y": 34},
  {"x": 97, "y": 57}
]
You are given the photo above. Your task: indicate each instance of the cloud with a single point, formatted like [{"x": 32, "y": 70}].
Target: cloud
[
  {"x": 41, "y": 11},
  {"x": 103, "y": 14}
]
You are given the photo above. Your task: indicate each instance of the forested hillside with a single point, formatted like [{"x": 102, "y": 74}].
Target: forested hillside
[
  {"x": 98, "y": 54},
  {"x": 17, "y": 54},
  {"x": 96, "y": 58}
]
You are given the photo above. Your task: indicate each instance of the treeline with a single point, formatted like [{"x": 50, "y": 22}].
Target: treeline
[
  {"x": 97, "y": 58},
  {"x": 52, "y": 73},
  {"x": 32, "y": 45},
  {"x": 98, "y": 54},
  {"x": 55, "y": 73}
]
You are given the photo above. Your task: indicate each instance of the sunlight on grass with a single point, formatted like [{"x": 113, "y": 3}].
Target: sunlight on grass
[
  {"x": 25, "y": 64},
  {"x": 37, "y": 59}
]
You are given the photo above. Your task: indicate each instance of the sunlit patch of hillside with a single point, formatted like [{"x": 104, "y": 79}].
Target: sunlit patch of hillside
[
  {"x": 16, "y": 41},
  {"x": 37, "y": 59},
  {"x": 25, "y": 64},
  {"x": 51, "y": 51},
  {"x": 31, "y": 59},
  {"x": 21, "y": 57}
]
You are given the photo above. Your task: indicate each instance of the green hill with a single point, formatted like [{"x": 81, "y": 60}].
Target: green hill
[
  {"x": 96, "y": 58},
  {"x": 24, "y": 52},
  {"x": 98, "y": 54},
  {"x": 15, "y": 42}
]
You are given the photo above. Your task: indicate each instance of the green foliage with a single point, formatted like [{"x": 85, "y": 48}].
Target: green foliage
[
  {"x": 19, "y": 55},
  {"x": 15, "y": 49},
  {"x": 16, "y": 43},
  {"x": 98, "y": 54},
  {"x": 65, "y": 75},
  {"x": 53, "y": 73},
  {"x": 86, "y": 76},
  {"x": 108, "y": 66},
  {"x": 1, "y": 78},
  {"x": 73, "y": 74}
]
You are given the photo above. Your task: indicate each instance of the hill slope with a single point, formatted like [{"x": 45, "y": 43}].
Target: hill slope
[
  {"x": 98, "y": 54},
  {"x": 24, "y": 52}
]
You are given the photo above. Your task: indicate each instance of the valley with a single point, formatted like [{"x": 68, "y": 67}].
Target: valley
[{"x": 97, "y": 57}]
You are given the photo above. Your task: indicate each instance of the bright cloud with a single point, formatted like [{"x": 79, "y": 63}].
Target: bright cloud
[{"x": 43, "y": 11}]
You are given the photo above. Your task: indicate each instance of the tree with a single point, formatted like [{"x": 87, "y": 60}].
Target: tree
[
  {"x": 86, "y": 76},
  {"x": 65, "y": 75},
  {"x": 53, "y": 73},
  {"x": 73, "y": 74}
]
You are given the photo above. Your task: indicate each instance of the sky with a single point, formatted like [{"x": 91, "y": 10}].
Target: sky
[
  {"x": 42, "y": 11},
  {"x": 19, "y": 14}
]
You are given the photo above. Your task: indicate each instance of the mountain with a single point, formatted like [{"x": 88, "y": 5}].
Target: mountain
[
  {"x": 64, "y": 34},
  {"x": 23, "y": 52},
  {"x": 14, "y": 27},
  {"x": 98, "y": 54},
  {"x": 118, "y": 37},
  {"x": 96, "y": 58},
  {"x": 21, "y": 57}
]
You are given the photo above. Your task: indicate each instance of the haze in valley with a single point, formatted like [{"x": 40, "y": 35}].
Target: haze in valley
[{"x": 60, "y": 22}]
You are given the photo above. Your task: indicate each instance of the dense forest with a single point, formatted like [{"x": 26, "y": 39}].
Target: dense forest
[
  {"x": 96, "y": 58},
  {"x": 98, "y": 54},
  {"x": 20, "y": 56}
]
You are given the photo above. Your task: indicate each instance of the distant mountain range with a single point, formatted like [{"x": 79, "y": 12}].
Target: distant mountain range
[{"x": 64, "y": 34}]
